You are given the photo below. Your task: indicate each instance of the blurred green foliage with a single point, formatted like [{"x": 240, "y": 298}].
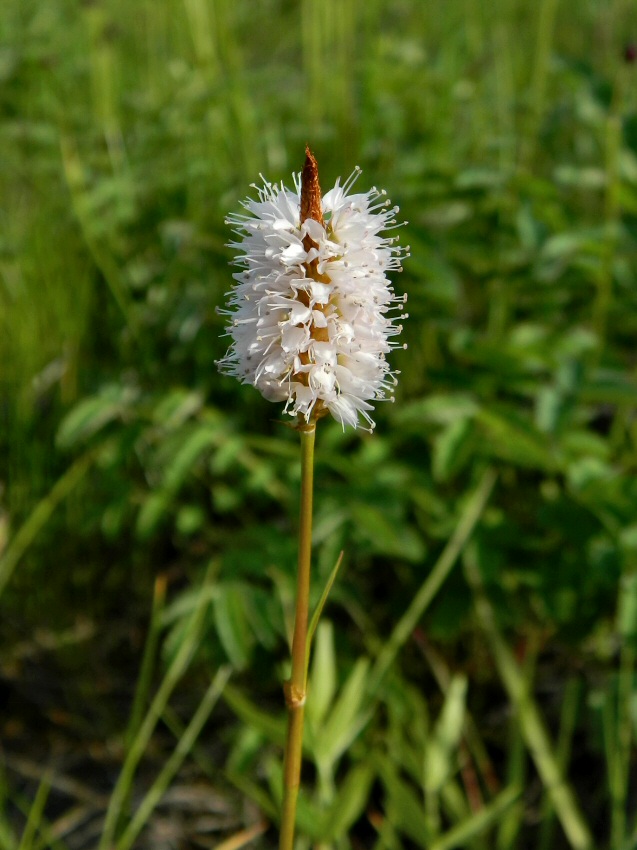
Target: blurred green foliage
[{"x": 507, "y": 132}]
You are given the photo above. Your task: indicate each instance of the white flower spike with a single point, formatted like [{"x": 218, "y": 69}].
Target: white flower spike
[{"x": 310, "y": 314}]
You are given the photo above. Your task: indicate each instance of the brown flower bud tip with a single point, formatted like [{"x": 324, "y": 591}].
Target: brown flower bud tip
[
  {"x": 630, "y": 53},
  {"x": 310, "y": 190}
]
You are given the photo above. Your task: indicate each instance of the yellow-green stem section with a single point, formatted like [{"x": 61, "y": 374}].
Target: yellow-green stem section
[{"x": 295, "y": 688}]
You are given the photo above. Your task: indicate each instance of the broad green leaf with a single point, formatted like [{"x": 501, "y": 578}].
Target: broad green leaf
[
  {"x": 232, "y": 624},
  {"x": 347, "y": 718},
  {"x": 527, "y": 227},
  {"x": 575, "y": 344},
  {"x": 581, "y": 443},
  {"x": 627, "y": 614},
  {"x": 452, "y": 449},
  {"x": 581, "y": 178},
  {"x": 480, "y": 178},
  {"x": 566, "y": 244},
  {"x": 350, "y": 802},
  {"x": 226, "y": 454},
  {"x": 187, "y": 602},
  {"x": 152, "y": 512},
  {"x": 628, "y": 539},
  {"x": 384, "y": 535},
  {"x": 587, "y": 471},
  {"x": 263, "y": 613},
  {"x": 515, "y": 441},
  {"x": 440, "y": 754},
  {"x": 443, "y": 409},
  {"x": 609, "y": 388},
  {"x": 273, "y": 728},
  {"x": 253, "y": 791},
  {"x": 446, "y": 215},
  {"x": 190, "y": 519},
  {"x": 403, "y": 808},
  {"x": 193, "y": 446},
  {"x": 453, "y": 800},
  {"x": 187, "y": 453},
  {"x": 549, "y": 403},
  {"x": 94, "y": 413},
  {"x": 177, "y": 407},
  {"x": 569, "y": 375},
  {"x": 528, "y": 337}
]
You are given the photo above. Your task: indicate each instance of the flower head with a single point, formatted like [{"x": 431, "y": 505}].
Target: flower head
[{"x": 312, "y": 315}]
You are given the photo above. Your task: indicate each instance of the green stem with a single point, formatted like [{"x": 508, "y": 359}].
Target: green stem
[{"x": 296, "y": 686}]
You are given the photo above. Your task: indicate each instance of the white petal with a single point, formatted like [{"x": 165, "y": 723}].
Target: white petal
[
  {"x": 323, "y": 380},
  {"x": 319, "y": 292},
  {"x": 299, "y": 313},
  {"x": 272, "y": 390},
  {"x": 314, "y": 230},
  {"x": 324, "y": 353},
  {"x": 293, "y": 254},
  {"x": 294, "y": 339}
]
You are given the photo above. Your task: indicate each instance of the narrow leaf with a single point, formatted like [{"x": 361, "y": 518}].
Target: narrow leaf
[
  {"x": 346, "y": 719},
  {"x": 321, "y": 603}
]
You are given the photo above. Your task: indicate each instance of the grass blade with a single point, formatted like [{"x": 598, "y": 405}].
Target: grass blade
[
  {"x": 36, "y": 813},
  {"x": 441, "y": 569},
  {"x": 532, "y": 725},
  {"x": 460, "y": 835},
  {"x": 175, "y": 671},
  {"x": 172, "y": 765},
  {"x": 40, "y": 515}
]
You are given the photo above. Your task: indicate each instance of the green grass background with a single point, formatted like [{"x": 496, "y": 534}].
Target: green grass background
[{"x": 507, "y": 133}]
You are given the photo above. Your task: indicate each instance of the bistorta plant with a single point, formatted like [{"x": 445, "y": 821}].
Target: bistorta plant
[
  {"x": 312, "y": 318},
  {"x": 310, "y": 314}
]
